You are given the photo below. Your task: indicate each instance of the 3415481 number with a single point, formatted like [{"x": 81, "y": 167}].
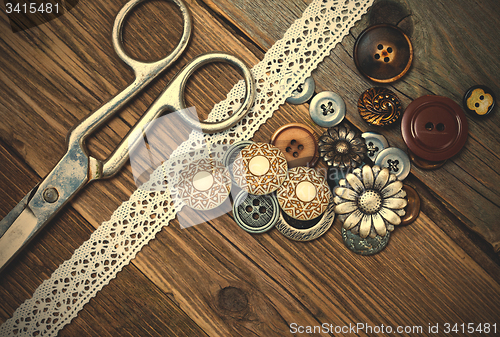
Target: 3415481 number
[{"x": 32, "y": 8}]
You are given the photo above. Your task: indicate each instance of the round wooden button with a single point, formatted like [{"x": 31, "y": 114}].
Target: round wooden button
[
  {"x": 479, "y": 100},
  {"x": 303, "y": 92},
  {"x": 327, "y": 109},
  {"x": 425, "y": 164},
  {"x": 304, "y": 195},
  {"x": 260, "y": 168},
  {"x": 383, "y": 53},
  {"x": 298, "y": 143},
  {"x": 413, "y": 207},
  {"x": 256, "y": 213},
  {"x": 204, "y": 184},
  {"x": 379, "y": 106},
  {"x": 434, "y": 128}
]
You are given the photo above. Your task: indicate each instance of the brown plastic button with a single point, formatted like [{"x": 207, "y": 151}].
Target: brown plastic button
[
  {"x": 425, "y": 164},
  {"x": 383, "y": 53},
  {"x": 298, "y": 143},
  {"x": 413, "y": 207},
  {"x": 379, "y": 106},
  {"x": 434, "y": 128}
]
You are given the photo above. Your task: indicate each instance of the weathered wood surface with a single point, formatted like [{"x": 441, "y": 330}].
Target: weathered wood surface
[{"x": 54, "y": 75}]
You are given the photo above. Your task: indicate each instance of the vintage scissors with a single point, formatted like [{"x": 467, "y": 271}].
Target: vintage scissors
[{"x": 77, "y": 167}]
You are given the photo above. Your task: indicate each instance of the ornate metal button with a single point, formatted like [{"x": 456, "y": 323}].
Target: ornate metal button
[
  {"x": 383, "y": 53},
  {"x": 341, "y": 146},
  {"x": 204, "y": 184},
  {"x": 364, "y": 246},
  {"x": 256, "y": 213},
  {"x": 425, "y": 164},
  {"x": 413, "y": 207},
  {"x": 375, "y": 142},
  {"x": 232, "y": 152},
  {"x": 327, "y": 109},
  {"x": 434, "y": 128},
  {"x": 303, "y": 92},
  {"x": 379, "y": 106},
  {"x": 260, "y": 168},
  {"x": 370, "y": 201},
  {"x": 304, "y": 195},
  {"x": 306, "y": 230},
  {"x": 298, "y": 143},
  {"x": 396, "y": 160},
  {"x": 479, "y": 100}
]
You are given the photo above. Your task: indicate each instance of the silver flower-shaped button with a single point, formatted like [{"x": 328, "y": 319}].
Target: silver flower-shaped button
[
  {"x": 342, "y": 147},
  {"x": 370, "y": 201}
]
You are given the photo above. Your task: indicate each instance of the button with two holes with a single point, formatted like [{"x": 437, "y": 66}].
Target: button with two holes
[
  {"x": 256, "y": 213},
  {"x": 327, "y": 109},
  {"x": 479, "y": 100},
  {"x": 303, "y": 92},
  {"x": 298, "y": 143}
]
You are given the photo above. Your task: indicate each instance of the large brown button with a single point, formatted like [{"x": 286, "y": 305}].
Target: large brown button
[
  {"x": 298, "y": 143},
  {"x": 413, "y": 207},
  {"x": 434, "y": 128},
  {"x": 383, "y": 53},
  {"x": 379, "y": 106}
]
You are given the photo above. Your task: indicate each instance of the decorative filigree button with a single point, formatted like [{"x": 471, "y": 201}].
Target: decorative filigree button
[
  {"x": 233, "y": 152},
  {"x": 304, "y": 195},
  {"x": 204, "y": 184},
  {"x": 370, "y": 201},
  {"x": 379, "y": 106},
  {"x": 260, "y": 168},
  {"x": 341, "y": 146}
]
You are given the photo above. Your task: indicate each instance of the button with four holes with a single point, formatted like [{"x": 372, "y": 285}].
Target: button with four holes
[
  {"x": 383, "y": 53},
  {"x": 479, "y": 100},
  {"x": 256, "y": 213},
  {"x": 434, "y": 128},
  {"x": 327, "y": 109},
  {"x": 396, "y": 160},
  {"x": 303, "y": 92},
  {"x": 260, "y": 168},
  {"x": 298, "y": 143},
  {"x": 375, "y": 143}
]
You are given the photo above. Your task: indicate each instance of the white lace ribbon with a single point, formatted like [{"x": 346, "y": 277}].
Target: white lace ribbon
[{"x": 116, "y": 242}]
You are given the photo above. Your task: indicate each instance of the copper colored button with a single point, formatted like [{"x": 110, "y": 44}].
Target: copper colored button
[
  {"x": 298, "y": 143},
  {"x": 413, "y": 207},
  {"x": 425, "y": 164},
  {"x": 434, "y": 128},
  {"x": 383, "y": 53},
  {"x": 379, "y": 106}
]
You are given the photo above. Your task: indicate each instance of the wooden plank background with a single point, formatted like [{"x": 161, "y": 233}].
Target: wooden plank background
[{"x": 215, "y": 279}]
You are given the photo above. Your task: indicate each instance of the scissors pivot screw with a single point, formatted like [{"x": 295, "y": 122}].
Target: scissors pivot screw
[{"x": 50, "y": 195}]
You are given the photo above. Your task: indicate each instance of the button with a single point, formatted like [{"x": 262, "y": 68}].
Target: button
[
  {"x": 303, "y": 92},
  {"x": 256, "y": 213},
  {"x": 396, "y": 160},
  {"x": 366, "y": 246},
  {"x": 260, "y": 168},
  {"x": 304, "y": 195},
  {"x": 298, "y": 143},
  {"x": 375, "y": 142},
  {"x": 232, "y": 152},
  {"x": 413, "y": 207},
  {"x": 342, "y": 146},
  {"x": 204, "y": 184},
  {"x": 379, "y": 106},
  {"x": 383, "y": 53},
  {"x": 306, "y": 230},
  {"x": 327, "y": 109},
  {"x": 479, "y": 100},
  {"x": 434, "y": 128},
  {"x": 370, "y": 201},
  {"x": 425, "y": 164}
]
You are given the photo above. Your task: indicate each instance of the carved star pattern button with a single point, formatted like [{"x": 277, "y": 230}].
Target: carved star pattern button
[
  {"x": 379, "y": 106},
  {"x": 479, "y": 100},
  {"x": 233, "y": 152},
  {"x": 304, "y": 195},
  {"x": 256, "y": 213},
  {"x": 204, "y": 184},
  {"x": 260, "y": 168}
]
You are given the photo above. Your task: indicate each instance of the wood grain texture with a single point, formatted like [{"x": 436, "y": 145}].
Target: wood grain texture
[{"x": 214, "y": 278}]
